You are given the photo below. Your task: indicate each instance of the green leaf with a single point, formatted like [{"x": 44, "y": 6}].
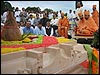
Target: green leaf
[
  {"x": 90, "y": 70},
  {"x": 94, "y": 58}
]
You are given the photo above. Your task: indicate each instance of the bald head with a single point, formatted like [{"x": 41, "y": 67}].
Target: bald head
[
  {"x": 86, "y": 14},
  {"x": 80, "y": 15},
  {"x": 94, "y": 7},
  {"x": 62, "y": 14}
]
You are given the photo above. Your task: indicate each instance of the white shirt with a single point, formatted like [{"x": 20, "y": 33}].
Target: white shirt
[
  {"x": 78, "y": 10},
  {"x": 21, "y": 29},
  {"x": 70, "y": 15},
  {"x": 4, "y": 17},
  {"x": 54, "y": 22},
  {"x": 50, "y": 16},
  {"x": 74, "y": 15},
  {"x": 59, "y": 15},
  {"x": 31, "y": 20},
  {"x": 17, "y": 13},
  {"x": 41, "y": 15}
]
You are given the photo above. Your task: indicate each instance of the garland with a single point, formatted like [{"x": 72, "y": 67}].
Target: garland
[{"x": 93, "y": 58}]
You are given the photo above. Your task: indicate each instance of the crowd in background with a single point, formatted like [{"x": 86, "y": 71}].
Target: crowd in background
[{"x": 43, "y": 22}]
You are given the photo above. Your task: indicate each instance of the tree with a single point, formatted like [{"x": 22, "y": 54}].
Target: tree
[
  {"x": 5, "y": 6},
  {"x": 28, "y": 8},
  {"x": 35, "y": 9},
  {"x": 48, "y": 10},
  {"x": 95, "y": 42}
]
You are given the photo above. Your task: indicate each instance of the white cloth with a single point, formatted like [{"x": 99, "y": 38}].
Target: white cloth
[
  {"x": 70, "y": 15},
  {"x": 59, "y": 15},
  {"x": 17, "y": 16},
  {"x": 50, "y": 16},
  {"x": 41, "y": 15},
  {"x": 54, "y": 22},
  {"x": 78, "y": 10},
  {"x": 4, "y": 17},
  {"x": 2, "y": 24},
  {"x": 21, "y": 29},
  {"x": 31, "y": 20},
  {"x": 74, "y": 15}
]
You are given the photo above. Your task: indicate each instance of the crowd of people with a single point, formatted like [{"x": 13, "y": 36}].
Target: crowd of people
[{"x": 55, "y": 23}]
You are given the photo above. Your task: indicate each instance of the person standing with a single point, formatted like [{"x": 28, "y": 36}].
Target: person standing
[
  {"x": 70, "y": 18},
  {"x": 54, "y": 23},
  {"x": 59, "y": 14},
  {"x": 44, "y": 20},
  {"x": 78, "y": 10},
  {"x": 36, "y": 20},
  {"x": 23, "y": 15},
  {"x": 31, "y": 19},
  {"x": 17, "y": 14},
  {"x": 4, "y": 16},
  {"x": 74, "y": 19},
  {"x": 76, "y": 4},
  {"x": 50, "y": 15},
  {"x": 95, "y": 15}
]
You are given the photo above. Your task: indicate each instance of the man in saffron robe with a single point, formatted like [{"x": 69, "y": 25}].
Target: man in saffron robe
[
  {"x": 95, "y": 15},
  {"x": 63, "y": 25},
  {"x": 90, "y": 26},
  {"x": 81, "y": 24}
]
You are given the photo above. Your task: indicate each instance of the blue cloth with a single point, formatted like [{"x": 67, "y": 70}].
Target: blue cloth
[
  {"x": 28, "y": 30},
  {"x": 39, "y": 32},
  {"x": 36, "y": 20}
]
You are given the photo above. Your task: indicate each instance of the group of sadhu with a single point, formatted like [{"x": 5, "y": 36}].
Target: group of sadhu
[{"x": 87, "y": 24}]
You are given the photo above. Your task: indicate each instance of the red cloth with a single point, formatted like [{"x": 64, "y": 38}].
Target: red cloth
[
  {"x": 47, "y": 41},
  {"x": 85, "y": 64}
]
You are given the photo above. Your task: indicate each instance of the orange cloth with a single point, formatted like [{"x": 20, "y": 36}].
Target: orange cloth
[
  {"x": 95, "y": 65},
  {"x": 81, "y": 24},
  {"x": 95, "y": 16},
  {"x": 63, "y": 25},
  {"x": 86, "y": 27},
  {"x": 91, "y": 25}
]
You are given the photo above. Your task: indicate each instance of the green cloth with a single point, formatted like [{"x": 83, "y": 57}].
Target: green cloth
[
  {"x": 89, "y": 52},
  {"x": 38, "y": 40}
]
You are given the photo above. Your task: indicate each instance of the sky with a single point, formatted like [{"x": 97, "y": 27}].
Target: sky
[{"x": 65, "y": 6}]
